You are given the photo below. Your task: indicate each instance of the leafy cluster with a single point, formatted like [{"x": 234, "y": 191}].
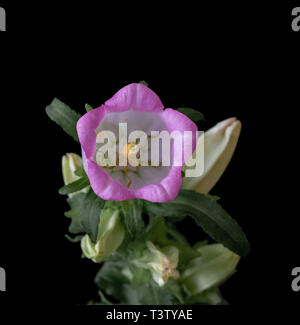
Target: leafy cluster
[{"x": 120, "y": 280}]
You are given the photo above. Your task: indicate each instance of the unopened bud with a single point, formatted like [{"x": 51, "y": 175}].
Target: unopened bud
[
  {"x": 214, "y": 266},
  {"x": 219, "y": 145},
  {"x": 71, "y": 162},
  {"x": 110, "y": 236}
]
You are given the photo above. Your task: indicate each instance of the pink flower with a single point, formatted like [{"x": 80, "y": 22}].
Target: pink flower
[{"x": 142, "y": 109}]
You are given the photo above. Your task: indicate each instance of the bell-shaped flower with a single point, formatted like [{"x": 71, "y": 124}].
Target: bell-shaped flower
[
  {"x": 141, "y": 109},
  {"x": 110, "y": 236},
  {"x": 213, "y": 267},
  {"x": 219, "y": 145}
]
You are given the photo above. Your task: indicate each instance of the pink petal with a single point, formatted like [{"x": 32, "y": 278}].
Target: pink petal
[
  {"x": 176, "y": 121},
  {"x": 167, "y": 190},
  {"x": 105, "y": 186},
  {"x": 137, "y": 97},
  {"x": 86, "y": 129}
]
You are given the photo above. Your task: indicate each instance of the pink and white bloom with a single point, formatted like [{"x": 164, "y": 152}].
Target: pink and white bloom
[{"x": 141, "y": 109}]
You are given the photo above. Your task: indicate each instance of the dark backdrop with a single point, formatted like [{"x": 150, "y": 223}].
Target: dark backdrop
[{"x": 225, "y": 60}]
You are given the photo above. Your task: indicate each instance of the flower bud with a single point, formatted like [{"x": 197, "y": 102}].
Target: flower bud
[
  {"x": 70, "y": 162},
  {"x": 219, "y": 145},
  {"x": 110, "y": 236},
  {"x": 214, "y": 266},
  {"x": 161, "y": 262}
]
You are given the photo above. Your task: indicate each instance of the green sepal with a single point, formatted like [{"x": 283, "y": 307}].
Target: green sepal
[
  {"x": 143, "y": 82},
  {"x": 88, "y": 107},
  {"x": 191, "y": 113},
  {"x": 132, "y": 211},
  {"x": 80, "y": 172},
  {"x": 75, "y": 186}
]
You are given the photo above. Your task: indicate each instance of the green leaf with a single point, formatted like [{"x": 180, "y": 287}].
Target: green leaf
[
  {"x": 76, "y": 186},
  {"x": 112, "y": 280},
  {"x": 80, "y": 172},
  {"x": 177, "y": 290},
  {"x": 132, "y": 211},
  {"x": 186, "y": 254},
  {"x": 76, "y": 239},
  {"x": 152, "y": 294},
  {"x": 75, "y": 204},
  {"x": 208, "y": 214},
  {"x": 191, "y": 113},
  {"x": 209, "y": 297},
  {"x": 143, "y": 82},
  {"x": 92, "y": 206},
  {"x": 141, "y": 276},
  {"x": 75, "y": 225},
  {"x": 64, "y": 116},
  {"x": 104, "y": 300},
  {"x": 156, "y": 231},
  {"x": 88, "y": 107}
]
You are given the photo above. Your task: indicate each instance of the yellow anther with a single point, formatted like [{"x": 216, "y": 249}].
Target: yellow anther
[
  {"x": 129, "y": 148},
  {"x": 100, "y": 135}
]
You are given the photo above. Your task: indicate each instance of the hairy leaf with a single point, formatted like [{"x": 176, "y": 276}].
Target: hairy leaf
[
  {"x": 64, "y": 116},
  {"x": 208, "y": 214},
  {"x": 92, "y": 206}
]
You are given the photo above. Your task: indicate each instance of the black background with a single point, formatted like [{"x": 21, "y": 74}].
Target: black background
[{"x": 224, "y": 59}]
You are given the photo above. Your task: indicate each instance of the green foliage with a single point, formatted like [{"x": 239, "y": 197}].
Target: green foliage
[
  {"x": 158, "y": 233},
  {"x": 91, "y": 208},
  {"x": 75, "y": 239},
  {"x": 75, "y": 204},
  {"x": 112, "y": 279},
  {"x": 208, "y": 214},
  {"x": 132, "y": 211},
  {"x": 191, "y": 113},
  {"x": 64, "y": 116},
  {"x": 209, "y": 297},
  {"x": 143, "y": 82},
  {"x": 80, "y": 172},
  {"x": 76, "y": 186},
  {"x": 88, "y": 107},
  {"x": 104, "y": 300},
  {"x": 140, "y": 277}
]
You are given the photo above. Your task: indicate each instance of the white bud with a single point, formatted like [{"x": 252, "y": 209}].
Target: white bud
[
  {"x": 110, "y": 236},
  {"x": 215, "y": 264},
  {"x": 219, "y": 145}
]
